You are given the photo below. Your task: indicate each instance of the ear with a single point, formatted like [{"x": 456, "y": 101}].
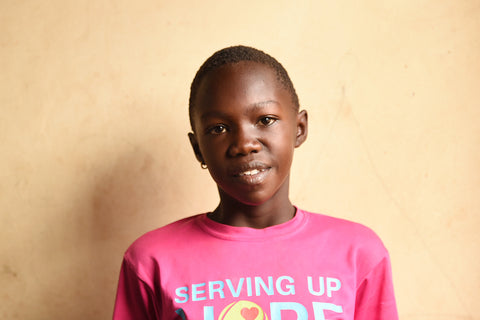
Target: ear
[
  {"x": 196, "y": 149},
  {"x": 302, "y": 128}
]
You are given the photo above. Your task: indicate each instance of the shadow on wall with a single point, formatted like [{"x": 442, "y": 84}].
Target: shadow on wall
[
  {"x": 66, "y": 264},
  {"x": 126, "y": 201}
]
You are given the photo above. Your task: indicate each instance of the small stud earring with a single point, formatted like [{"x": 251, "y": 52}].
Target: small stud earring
[{"x": 203, "y": 165}]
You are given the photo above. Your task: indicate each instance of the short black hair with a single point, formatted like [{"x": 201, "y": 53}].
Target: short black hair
[{"x": 237, "y": 54}]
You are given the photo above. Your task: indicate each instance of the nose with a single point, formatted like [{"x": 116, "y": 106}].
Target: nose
[{"x": 244, "y": 141}]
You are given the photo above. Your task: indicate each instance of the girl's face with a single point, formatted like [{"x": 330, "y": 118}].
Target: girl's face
[{"x": 246, "y": 129}]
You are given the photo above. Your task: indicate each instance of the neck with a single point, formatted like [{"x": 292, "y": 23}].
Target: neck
[{"x": 275, "y": 211}]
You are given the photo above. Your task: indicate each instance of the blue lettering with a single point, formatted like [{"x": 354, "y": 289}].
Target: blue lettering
[
  {"x": 259, "y": 283},
  {"x": 207, "y": 313},
  {"x": 196, "y": 292},
  {"x": 321, "y": 283},
  {"x": 219, "y": 289},
  {"x": 319, "y": 307},
  {"x": 277, "y": 308},
  {"x": 290, "y": 288},
  {"x": 249, "y": 286},
  {"x": 181, "y": 292},
  {"x": 235, "y": 293},
  {"x": 333, "y": 285}
]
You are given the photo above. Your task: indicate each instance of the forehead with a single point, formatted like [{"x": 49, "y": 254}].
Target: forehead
[{"x": 240, "y": 84}]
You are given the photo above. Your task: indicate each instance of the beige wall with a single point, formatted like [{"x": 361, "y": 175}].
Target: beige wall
[{"x": 94, "y": 151}]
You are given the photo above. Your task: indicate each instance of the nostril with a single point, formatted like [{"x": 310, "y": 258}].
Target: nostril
[
  {"x": 245, "y": 147},
  {"x": 244, "y": 141}
]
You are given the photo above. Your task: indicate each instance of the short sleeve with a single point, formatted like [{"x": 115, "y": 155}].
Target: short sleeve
[
  {"x": 375, "y": 299},
  {"x": 135, "y": 299}
]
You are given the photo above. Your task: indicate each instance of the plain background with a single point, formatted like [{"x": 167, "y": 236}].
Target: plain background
[{"x": 94, "y": 148}]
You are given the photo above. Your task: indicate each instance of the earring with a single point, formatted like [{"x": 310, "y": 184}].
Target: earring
[{"x": 203, "y": 165}]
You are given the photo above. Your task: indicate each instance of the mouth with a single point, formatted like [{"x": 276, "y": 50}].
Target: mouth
[{"x": 251, "y": 173}]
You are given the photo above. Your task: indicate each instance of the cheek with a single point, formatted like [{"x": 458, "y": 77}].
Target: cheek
[
  {"x": 284, "y": 138},
  {"x": 212, "y": 152},
  {"x": 282, "y": 151},
  {"x": 284, "y": 148}
]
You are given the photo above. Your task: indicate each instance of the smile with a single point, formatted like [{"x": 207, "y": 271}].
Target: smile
[{"x": 251, "y": 172}]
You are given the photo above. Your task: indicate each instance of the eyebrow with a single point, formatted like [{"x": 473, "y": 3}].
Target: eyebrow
[
  {"x": 259, "y": 105},
  {"x": 254, "y": 106}
]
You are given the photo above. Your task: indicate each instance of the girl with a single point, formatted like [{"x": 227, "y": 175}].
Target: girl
[{"x": 256, "y": 256}]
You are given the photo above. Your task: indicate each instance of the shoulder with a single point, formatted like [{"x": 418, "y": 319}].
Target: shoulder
[
  {"x": 339, "y": 226},
  {"x": 352, "y": 236},
  {"x": 162, "y": 240}
]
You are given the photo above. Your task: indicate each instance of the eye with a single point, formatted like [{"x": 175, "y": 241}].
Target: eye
[
  {"x": 217, "y": 129},
  {"x": 267, "y": 121}
]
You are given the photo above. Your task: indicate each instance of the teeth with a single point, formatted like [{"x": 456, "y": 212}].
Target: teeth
[{"x": 250, "y": 173}]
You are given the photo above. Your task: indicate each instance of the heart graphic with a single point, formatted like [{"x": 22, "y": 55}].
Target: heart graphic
[{"x": 249, "y": 314}]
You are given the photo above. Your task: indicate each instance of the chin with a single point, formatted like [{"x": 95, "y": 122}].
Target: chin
[{"x": 253, "y": 198}]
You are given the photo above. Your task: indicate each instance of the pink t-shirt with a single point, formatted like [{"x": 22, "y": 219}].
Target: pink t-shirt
[{"x": 311, "y": 267}]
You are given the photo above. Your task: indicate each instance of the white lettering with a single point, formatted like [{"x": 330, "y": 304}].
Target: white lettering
[
  {"x": 196, "y": 292},
  {"x": 208, "y": 313},
  {"x": 321, "y": 284},
  {"x": 181, "y": 292},
  {"x": 212, "y": 290},
  {"x": 235, "y": 293},
  {"x": 277, "y": 308},
  {"x": 290, "y": 288},
  {"x": 319, "y": 307},
  {"x": 333, "y": 285},
  {"x": 260, "y": 283}
]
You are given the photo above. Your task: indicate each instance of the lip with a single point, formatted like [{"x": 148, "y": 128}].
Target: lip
[{"x": 250, "y": 173}]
